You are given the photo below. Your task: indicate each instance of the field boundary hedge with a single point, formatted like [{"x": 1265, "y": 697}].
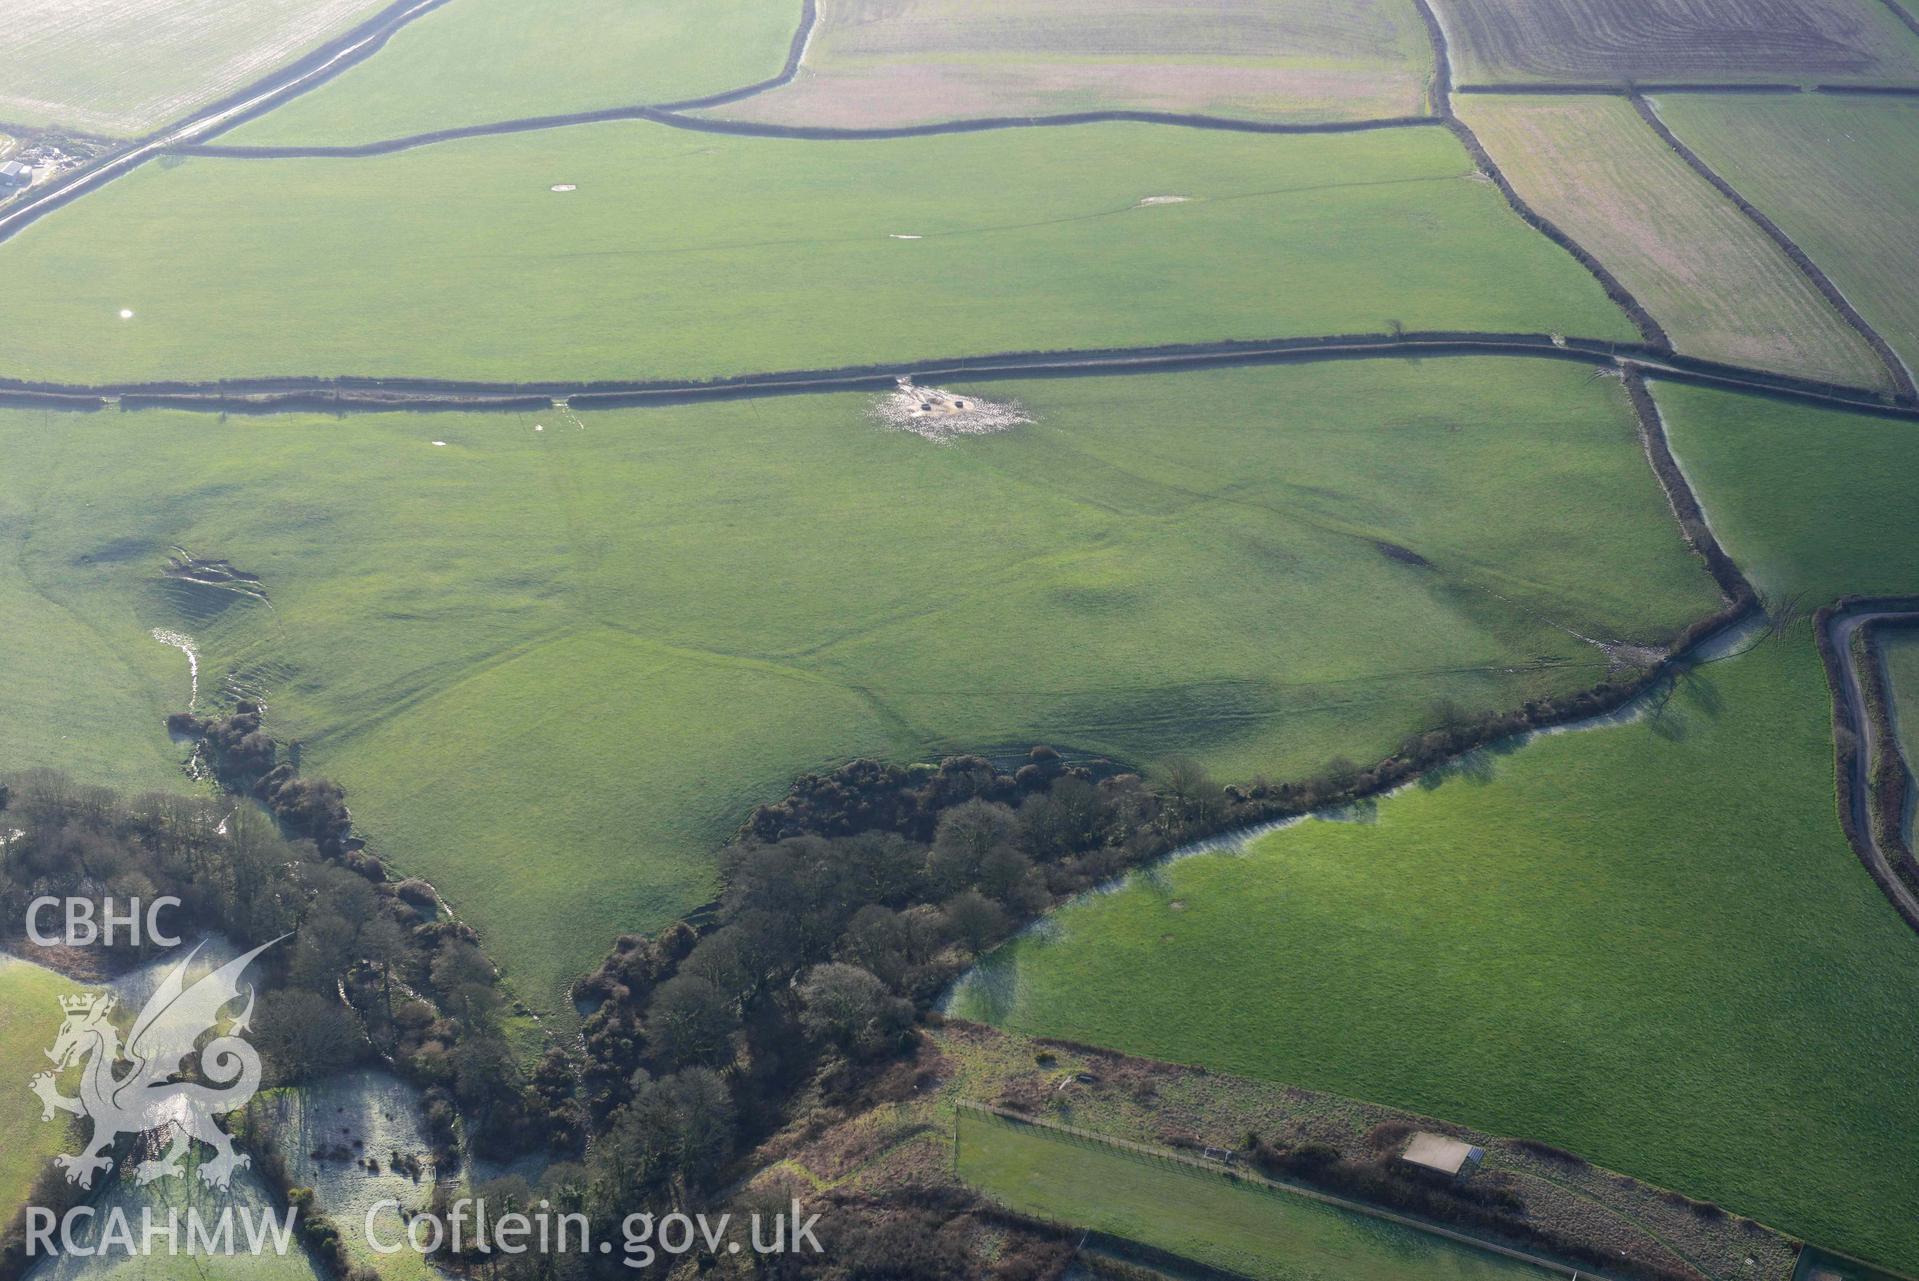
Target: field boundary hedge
[
  {"x": 360, "y": 394},
  {"x": 805, "y": 133},
  {"x": 1907, "y": 391},
  {"x": 1904, "y": 15},
  {"x": 1649, "y": 329},
  {"x": 809, "y": 18},
  {"x": 1627, "y": 88}
]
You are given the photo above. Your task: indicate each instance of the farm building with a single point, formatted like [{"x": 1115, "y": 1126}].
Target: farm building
[
  {"x": 1450, "y": 1157},
  {"x": 14, "y": 174}
]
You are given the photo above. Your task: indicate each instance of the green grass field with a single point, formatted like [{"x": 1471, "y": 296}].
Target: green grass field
[
  {"x": 1650, "y": 944},
  {"x": 1720, "y": 287},
  {"x": 903, "y": 62},
  {"x": 1835, "y": 173},
  {"x": 125, "y": 67},
  {"x": 29, "y": 1019},
  {"x": 555, "y": 668},
  {"x": 693, "y": 255},
  {"x": 480, "y": 61},
  {"x": 1206, "y": 1217}
]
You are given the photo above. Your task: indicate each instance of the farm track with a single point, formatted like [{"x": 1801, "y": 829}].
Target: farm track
[
  {"x": 1857, "y": 734},
  {"x": 1902, "y": 379}
]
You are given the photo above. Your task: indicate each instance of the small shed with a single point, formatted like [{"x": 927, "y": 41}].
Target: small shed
[
  {"x": 14, "y": 174},
  {"x": 1450, "y": 1157}
]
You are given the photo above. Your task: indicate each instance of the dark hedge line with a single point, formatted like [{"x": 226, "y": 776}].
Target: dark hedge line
[
  {"x": 1649, "y": 329},
  {"x": 1907, "y": 392},
  {"x": 1625, "y": 88}
]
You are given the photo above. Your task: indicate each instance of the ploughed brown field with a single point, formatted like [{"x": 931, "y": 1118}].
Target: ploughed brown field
[
  {"x": 909, "y": 62},
  {"x": 1853, "y": 41}
]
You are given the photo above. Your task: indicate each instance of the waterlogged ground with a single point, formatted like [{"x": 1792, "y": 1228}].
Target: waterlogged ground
[{"x": 330, "y": 1131}]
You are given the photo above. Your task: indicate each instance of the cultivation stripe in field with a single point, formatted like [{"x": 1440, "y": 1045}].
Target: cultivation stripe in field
[
  {"x": 356, "y": 394},
  {"x": 1901, "y": 376}
]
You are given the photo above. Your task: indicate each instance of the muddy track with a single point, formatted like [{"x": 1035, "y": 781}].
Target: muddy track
[
  {"x": 269, "y": 395},
  {"x": 1442, "y": 59},
  {"x": 1902, "y": 378},
  {"x": 1857, "y": 736},
  {"x": 272, "y": 89}
]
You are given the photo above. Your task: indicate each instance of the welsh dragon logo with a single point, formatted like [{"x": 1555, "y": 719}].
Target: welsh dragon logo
[{"x": 145, "y": 1096}]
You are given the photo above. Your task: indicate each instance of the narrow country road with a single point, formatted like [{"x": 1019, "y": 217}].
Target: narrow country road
[{"x": 211, "y": 120}]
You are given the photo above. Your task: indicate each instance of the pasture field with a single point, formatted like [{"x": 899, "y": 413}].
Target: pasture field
[
  {"x": 480, "y": 61},
  {"x": 555, "y": 668},
  {"x": 686, "y": 255},
  {"x": 1649, "y": 944},
  {"x": 125, "y": 67},
  {"x": 1717, "y": 283},
  {"x": 29, "y": 1019},
  {"x": 1622, "y": 41},
  {"x": 1836, "y": 174},
  {"x": 1207, "y": 1217},
  {"x": 1811, "y": 503},
  {"x": 884, "y": 62}
]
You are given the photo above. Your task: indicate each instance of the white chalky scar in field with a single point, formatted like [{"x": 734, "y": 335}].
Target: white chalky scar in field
[
  {"x": 563, "y": 186},
  {"x": 942, "y": 416},
  {"x": 126, "y": 313},
  {"x": 440, "y": 442}
]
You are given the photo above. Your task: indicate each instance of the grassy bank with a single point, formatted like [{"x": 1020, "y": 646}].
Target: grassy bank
[
  {"x": 556, "y": 660},
  {"x": 29, "y": 1020}
]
